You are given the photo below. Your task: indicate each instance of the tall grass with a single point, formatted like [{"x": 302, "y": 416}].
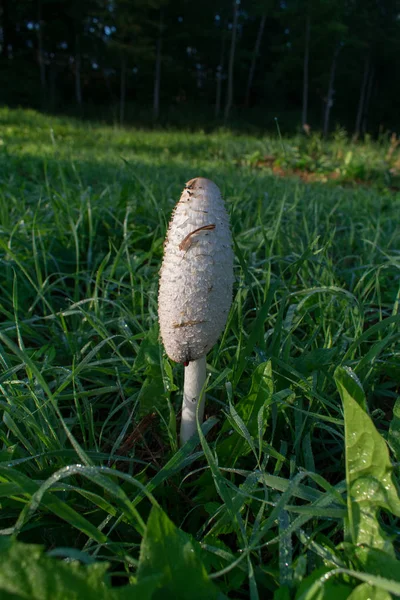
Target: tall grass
[{"x": 90, "y": 467}]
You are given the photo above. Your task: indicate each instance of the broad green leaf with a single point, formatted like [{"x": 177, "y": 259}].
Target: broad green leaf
[
  {"x": 365, "y": 591},
  {"x": 369, "y": 472},
  {"x": 152, "y": 394},
  {"x": 260, "y": 393},
  {"x": 149, "y": 351},
  {"x": 169, "y": 553},
  {"x": 347, "y": 380},
  {"x": 28, "y": 574},
  {"x": 377, "y": 562},
  {"x": 282, "y": 593},
  {"x": 169, "y": 384}
]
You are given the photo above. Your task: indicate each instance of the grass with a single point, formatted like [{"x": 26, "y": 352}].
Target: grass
[{"x": 289, "y": 491}]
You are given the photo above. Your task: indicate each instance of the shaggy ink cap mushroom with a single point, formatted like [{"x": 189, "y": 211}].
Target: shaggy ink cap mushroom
[
  {"x": 196, "y": 276},
  {"x": 195, "y": 291}
]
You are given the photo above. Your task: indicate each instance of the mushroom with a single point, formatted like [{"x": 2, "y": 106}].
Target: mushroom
[{"x": 195, "y": 289}]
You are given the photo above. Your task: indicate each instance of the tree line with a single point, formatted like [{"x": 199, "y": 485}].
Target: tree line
[{"x": 311, "y": 63}]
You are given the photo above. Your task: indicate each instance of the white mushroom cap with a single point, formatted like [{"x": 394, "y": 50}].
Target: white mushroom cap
[{"x": 196, "y": 276}]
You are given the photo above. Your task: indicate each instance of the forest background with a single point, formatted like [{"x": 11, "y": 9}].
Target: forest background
[{"x": 318, "y": 64}]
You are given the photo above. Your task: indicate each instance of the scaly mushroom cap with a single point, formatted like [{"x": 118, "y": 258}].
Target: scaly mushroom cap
[{"x": 196, "y": 276}]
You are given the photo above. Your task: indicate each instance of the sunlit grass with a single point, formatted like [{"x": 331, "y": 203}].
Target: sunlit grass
[{"x": 83, "y": 215}]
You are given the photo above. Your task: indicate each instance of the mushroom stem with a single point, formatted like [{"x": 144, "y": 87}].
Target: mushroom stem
[{"x": 193, "y": 393}]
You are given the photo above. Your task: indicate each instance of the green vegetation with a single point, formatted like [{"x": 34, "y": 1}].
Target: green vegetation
[{"x": 290, "y": 489}]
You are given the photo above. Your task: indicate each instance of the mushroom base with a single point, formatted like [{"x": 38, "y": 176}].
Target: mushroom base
[{"x": 193, "y": 398}]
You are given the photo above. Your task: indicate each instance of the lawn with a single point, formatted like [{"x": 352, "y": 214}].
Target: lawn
[{"x": 290, "y": 489}]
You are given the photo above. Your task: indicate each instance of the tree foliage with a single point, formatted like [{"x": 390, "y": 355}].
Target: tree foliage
[{"x": 105, "y": 54}]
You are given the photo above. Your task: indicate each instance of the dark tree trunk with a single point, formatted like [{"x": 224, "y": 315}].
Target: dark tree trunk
[
  {"x": 219, "y": 76},
  {"x": 361, "y": 101},
  {"x": 52, "y": 85},
  {"x": 256, "y": 52},
  {"x": 122, "y": 90},
  {"x": 305, "y": 71},
  {"x": 229, "y": 97},
  {"x": 331, "y": 89},
  {"x": 157, "y": 74},
  {"x": 78, "y": 88},
  {"x": 40, "y": 54},
  {"x": 371, "y": 81},
  {"x": 6, "y": 27}
]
